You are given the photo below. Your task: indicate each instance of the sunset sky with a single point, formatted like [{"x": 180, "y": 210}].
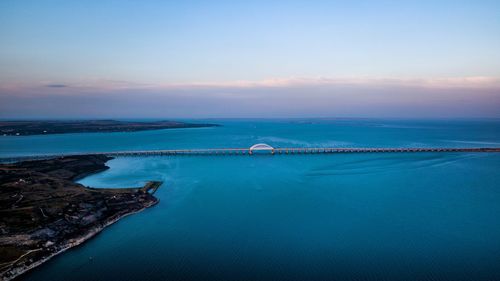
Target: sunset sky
[{"x": 201, "y": 59}]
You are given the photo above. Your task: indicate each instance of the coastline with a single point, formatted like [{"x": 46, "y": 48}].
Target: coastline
[
  {"x": 49, "y": 127},
  {"x": 68, "y": 215},
  {"x": 91, "y": 234}
]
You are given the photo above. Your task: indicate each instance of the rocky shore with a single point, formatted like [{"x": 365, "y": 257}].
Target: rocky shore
[{"x": 43, "y": 212}]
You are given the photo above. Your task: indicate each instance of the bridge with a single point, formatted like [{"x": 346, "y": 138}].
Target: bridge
[{"x": 261, "y": 149}]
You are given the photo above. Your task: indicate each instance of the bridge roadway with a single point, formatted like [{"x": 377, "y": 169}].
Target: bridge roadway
[{"x": 248, "y": 151}]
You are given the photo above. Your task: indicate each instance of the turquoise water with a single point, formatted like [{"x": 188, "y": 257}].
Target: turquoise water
[
  {"x": 420, "y": 216},
  {"x": 279, "y": 133}
]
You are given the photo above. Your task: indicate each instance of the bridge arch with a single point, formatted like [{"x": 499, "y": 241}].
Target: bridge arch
[{"x": 261, "y": 147}]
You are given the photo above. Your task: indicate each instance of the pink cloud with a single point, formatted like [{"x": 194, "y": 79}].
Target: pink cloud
[
  {"x": 290, "y": 97},
  {"x": 471, "y": 82}
]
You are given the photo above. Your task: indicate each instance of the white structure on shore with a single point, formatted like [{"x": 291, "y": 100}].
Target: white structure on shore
[{"x": 261, "y": 147}]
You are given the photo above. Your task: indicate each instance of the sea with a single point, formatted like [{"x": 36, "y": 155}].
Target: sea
[{"x": 366, "y": 216}]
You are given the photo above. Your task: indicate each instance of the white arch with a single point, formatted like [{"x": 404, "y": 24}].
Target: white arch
[{"x": 261, "y": 146}]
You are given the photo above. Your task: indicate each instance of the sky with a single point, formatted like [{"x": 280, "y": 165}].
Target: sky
[{"x": 237, "y": 59}]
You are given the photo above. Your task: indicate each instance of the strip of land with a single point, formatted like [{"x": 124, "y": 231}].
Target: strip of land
[
  {"x": 42, "y": 127},
  {"x": 43, "y": 212}
]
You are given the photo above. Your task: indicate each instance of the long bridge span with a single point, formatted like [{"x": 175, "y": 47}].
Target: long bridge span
[{"x": 261, "y": 149}]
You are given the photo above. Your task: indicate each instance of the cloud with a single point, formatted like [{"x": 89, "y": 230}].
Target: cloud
[
  {"x": 449, "y": 82},
  {"x": 291, "y": 97},
  {"x": 56, "y": 86},
  {"x": 470, "y": 82}
]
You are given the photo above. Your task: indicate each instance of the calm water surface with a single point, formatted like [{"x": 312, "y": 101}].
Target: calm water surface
[{"x": 425, "y": 216}]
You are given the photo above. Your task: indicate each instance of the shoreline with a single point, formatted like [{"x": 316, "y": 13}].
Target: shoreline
[
  {"x": 44, "y": 212},
  {"x": 50, "y": 127},
  {"x": 91, "y": 234}
]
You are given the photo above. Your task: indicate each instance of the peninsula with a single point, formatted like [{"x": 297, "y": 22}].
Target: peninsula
[
  {"x": 42, "y": 127},
  {"x": 43, "y": 212}
]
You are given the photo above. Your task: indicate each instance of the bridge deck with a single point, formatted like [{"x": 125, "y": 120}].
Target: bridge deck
[{"x": 247, "y": 151}]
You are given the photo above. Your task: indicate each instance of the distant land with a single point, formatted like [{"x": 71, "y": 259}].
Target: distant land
[
  {"x": 43, "y": 212},
  {"x": 38, "y": 127}
]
